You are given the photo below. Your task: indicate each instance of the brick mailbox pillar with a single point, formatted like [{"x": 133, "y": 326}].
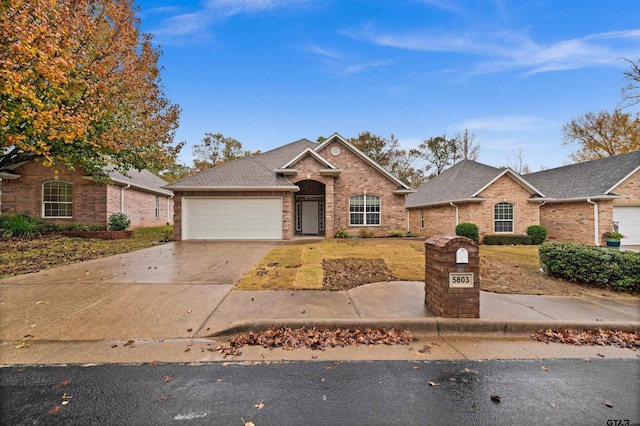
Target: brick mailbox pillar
[{"x": 452, "y": 277}]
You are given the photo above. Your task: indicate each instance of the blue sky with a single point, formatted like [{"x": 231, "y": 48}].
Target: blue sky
[{"x": 269, "y": 72}]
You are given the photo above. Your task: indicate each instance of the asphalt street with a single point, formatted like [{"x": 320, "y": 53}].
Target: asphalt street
[{"x": 495, "y": 392}]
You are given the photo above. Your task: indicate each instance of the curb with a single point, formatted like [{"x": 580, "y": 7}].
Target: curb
[{"x": 431, "y": 326}]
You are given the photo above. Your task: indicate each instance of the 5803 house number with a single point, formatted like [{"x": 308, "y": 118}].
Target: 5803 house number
[{"x": 461, "y": 280}]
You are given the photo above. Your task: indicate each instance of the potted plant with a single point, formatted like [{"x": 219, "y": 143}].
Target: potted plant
[{"x": 613, "y": 238}]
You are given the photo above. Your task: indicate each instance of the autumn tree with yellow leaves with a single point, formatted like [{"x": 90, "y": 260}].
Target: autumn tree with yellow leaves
[{"x": 80, "y": 87}]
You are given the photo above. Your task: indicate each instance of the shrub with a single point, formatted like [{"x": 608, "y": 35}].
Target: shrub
[
  {"x": 468, "y": 230},
  {"x": 20, "y": 226},
  {"x": 507, "y": 240},
  {"x": 366, "y": 233},
  {"x": 340, "y": 233},
  {"x": 397, "y": 233},
  {"x": 538, "y": 234},
  {"x": 592, "y": 265},
  {"x": 118, "y": 222}
]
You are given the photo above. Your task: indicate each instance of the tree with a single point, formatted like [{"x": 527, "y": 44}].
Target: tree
[
  {"x": 438, "y": 151},
  {"x": 378, "y": 148},
  {"x": 81, "y": 86},
  {"x": 631, "y": 92},
  {"x": 216, "y": 149},
  {"x": 602, "y": 135},
  {"x": 402, "y": 166},
  {"x": 465, "y": 146},
  {"x": 517, "y": 164}
]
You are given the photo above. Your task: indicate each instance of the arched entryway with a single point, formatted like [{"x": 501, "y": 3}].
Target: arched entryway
[{"x": 310, "y": 208}]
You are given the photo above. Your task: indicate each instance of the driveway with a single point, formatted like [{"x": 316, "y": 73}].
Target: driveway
[{"x": 167, "y": 291}]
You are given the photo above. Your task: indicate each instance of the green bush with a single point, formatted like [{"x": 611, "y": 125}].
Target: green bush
[
  {"x": 340, "y": 233},
  {"x": 469, "y": 230},
  {"x": 20, "y": 226},
  {"x": 118, "y": 222},
  {"x": 538, "y": 234},
  {"x": 592, "y": 265},
  {"x": 397, "y": 233},
  {"x": 507, "y": 240}
]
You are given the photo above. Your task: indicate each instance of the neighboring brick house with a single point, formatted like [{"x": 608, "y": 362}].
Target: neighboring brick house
[
  {"x": 577, "y": 203},
  {"x": 302, "y": 188},
  {"x": 62, "y": 196}
]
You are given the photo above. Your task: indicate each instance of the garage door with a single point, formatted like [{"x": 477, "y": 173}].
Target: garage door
[
  {"x": 628, "y": 219},
  {"x": 232, "y": 218}
]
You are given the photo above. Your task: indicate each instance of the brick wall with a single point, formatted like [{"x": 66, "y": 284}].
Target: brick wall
[
  {"x": 574, "y": 222},
  {"x": 287, "y": 207},
  {"x": 93, "y": 203},
  {"x": 357, "y": 178},
  {"x": 442, "y": 219},
  {"x": 631, "y": 189}
]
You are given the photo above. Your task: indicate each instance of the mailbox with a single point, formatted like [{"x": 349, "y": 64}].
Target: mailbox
[{"x": 452, "y": 281}]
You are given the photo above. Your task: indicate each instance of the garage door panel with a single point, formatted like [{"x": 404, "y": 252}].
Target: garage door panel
[
  {"x": 232, "y": 218},
  {"x": 628, "y": 219}
]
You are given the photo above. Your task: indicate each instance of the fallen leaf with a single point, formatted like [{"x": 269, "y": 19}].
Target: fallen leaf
[
  {"x": 600, "y": 355},
  {"x": 61, "y": 384},
  {"x": 554, "y": 405},
  {"x": 415, "y": 367},
  {"x": 65, "y": 402},
  {"x": 129, "y": 343},
  {"x": 466, "y": 370},
  {"x": 607, "y": 403},
  {"x": 189, "y": 329},
  {"x": 114, "y": 346},
  {"x": 167, "y": 378},
  {"x": 187, "y": 350},
  {"x": 432, "y": 384},
  {"x": 56, "y": 409},
  {"x": 495, "y": 399},
  {"x": 22, "y": 345},
  {"x": 259, "y": 405},
  {"x": 425, "y": 349},
  {"x": 543, "y": 368},
  {"x": 162, "y": 397},
  {"x": 246, "y": 423}
]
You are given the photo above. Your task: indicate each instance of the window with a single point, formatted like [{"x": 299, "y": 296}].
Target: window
[
  {"x": 321, "y": 216},
  {"x": 57, "y": 199},
  {"x": 157, "y": 210},
  {"x": 422, "y": 218},
  {"x": 503, "y": 217},
  {"x": 298, "y": 217},
  {"x": 364, "y": 210}
]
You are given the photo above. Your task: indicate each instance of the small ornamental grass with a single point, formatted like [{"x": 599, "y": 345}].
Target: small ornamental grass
[{"x": 20, "y": 226}]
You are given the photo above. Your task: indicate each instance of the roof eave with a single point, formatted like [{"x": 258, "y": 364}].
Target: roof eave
[
  {"x": 330, "y": 172},
  {"x": 404, "y": 191},
  {"x": 585, "y": 199},
  {"x": 448, "y": 202},
  {"x": 286, "y": 172},
  {"x": 288, "y": 188},
  {"x": 7, "y": 175}
]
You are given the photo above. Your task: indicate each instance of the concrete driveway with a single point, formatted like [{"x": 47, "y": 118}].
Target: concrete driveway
[{"x": 167, "y": 291}]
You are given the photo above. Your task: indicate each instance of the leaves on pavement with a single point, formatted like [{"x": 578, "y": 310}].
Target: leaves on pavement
[
  {"x": 621, "y": 339},
  {"x": 315, "y": 338}
]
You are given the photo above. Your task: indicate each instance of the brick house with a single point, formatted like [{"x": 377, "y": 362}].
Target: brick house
[
  {"x": 62, "y": 196},
  {"x": 576, "y": 203},
  {"x": 302, "y": 188}
]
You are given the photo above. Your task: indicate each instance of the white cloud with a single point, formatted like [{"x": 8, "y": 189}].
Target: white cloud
[{"x": 512, "y": 50}]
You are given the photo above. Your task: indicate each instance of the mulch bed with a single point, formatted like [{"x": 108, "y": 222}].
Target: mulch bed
[{"x": 346, "y": 273}]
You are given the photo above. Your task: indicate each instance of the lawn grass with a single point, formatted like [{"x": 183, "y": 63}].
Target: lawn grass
[
  {"x": 25, "y": 255},
  {"x": 300, "y": 266},
  {"x": 519, "y": 253}
]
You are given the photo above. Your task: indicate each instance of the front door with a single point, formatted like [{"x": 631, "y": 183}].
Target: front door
[{"x": 310, "y": 217}]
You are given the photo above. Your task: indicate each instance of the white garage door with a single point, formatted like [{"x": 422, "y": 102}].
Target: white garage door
[
  {"x": 232, "y": 218},
  {"x": 628, "y": 219}
]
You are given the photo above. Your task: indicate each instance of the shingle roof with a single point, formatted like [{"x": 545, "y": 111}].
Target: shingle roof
[
  {"x": 247, "y": 172},
  {"x": 588, "y": 179},
  {"x": 459, "y": 182},
  {"x": 141, "y": 179}
]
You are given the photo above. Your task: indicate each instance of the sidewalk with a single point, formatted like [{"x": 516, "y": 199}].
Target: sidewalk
[{"x": 502, "y": 332}]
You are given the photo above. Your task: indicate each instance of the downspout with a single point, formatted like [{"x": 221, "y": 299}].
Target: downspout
[
  {"x": 596, "y": 225},
  {"x": 122, "y": 197},
  {"x": 168, "y": 210},
  {"x": 453, "y": 205}
]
